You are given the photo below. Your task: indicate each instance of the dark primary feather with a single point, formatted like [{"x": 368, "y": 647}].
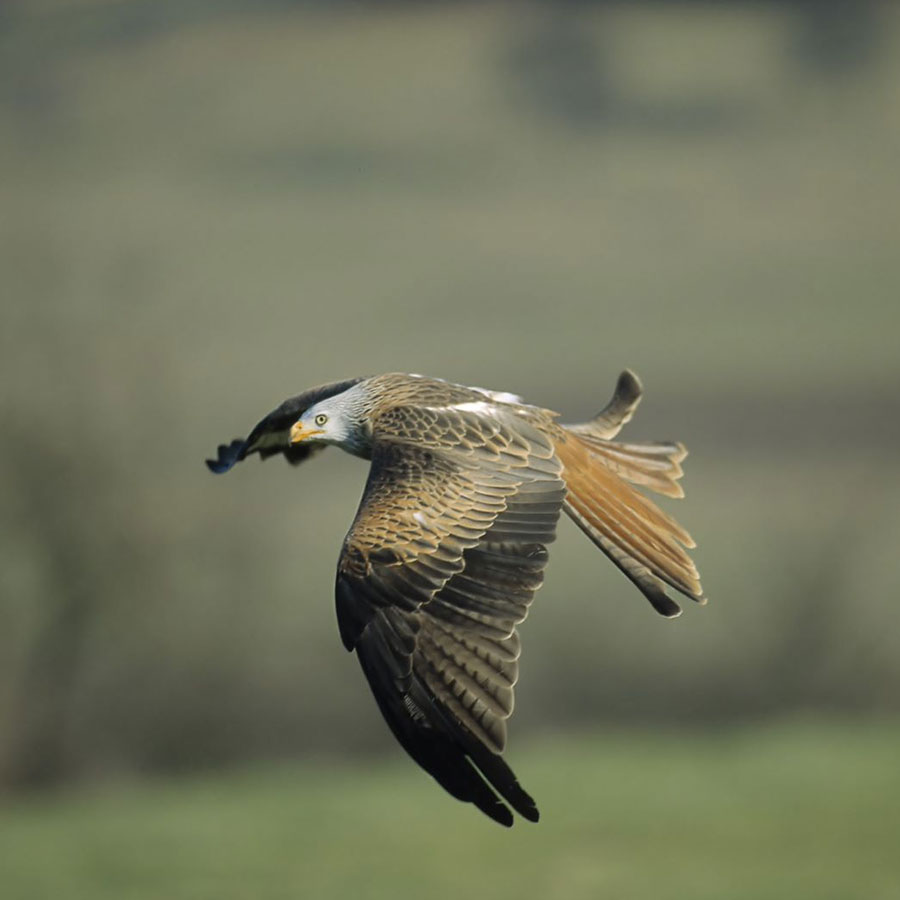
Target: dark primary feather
[{"x": 271, "y": 435}]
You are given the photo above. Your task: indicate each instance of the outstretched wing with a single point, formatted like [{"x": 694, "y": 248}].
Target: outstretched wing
[
  {"x": 271, "y": 435},
  {"x": 445, "y": 554}
]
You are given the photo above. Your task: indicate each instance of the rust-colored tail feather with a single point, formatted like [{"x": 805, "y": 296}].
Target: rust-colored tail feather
[
  {"x": 644, "y": 542},
  {"x": 654, "y": 465}
]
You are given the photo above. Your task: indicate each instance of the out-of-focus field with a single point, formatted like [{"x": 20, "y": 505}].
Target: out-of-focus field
[
  {"x": 204, "y": 212},
  {"x": 777, "y": 811}
]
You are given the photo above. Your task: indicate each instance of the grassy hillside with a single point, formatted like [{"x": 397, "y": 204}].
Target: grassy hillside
[{"x": 763, "y": 813}]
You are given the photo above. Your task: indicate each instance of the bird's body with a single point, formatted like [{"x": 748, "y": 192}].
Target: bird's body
[{"x": 449, "y": 546}]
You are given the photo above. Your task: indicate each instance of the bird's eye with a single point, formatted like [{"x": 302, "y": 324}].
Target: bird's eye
[{"x": 321, "y": 419}]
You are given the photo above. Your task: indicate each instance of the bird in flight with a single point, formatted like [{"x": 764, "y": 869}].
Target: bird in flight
[{"x": 450, "y": 542}]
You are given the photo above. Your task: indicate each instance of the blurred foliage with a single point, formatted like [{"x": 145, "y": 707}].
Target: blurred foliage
[
  {"x": 207, "y": 215},
  {"x": 772, "y": 812}
]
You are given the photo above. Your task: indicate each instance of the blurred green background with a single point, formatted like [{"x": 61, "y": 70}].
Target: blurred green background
[{"x": 208, "y": 207}]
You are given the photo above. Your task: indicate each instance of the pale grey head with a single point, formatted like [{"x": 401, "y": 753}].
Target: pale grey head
[{"x": 342, "y": 420}]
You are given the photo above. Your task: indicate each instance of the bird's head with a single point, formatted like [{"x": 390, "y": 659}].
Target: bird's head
[{"x": 340, "y": 420}]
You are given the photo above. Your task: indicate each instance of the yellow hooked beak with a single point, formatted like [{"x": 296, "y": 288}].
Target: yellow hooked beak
[{"x": 300, "y": 432}]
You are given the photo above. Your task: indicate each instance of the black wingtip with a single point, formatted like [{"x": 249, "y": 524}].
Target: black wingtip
[
  {"x": 628, "y": 387},
  {"x": 227, "y": 456},
  {"x": 499, "y": 813},
  {"x": 665, "y": 605},
  {"x": 533, "y": 815}
]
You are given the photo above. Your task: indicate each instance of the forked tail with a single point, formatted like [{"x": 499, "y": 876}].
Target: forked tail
[{"x": 644, "y": 542}]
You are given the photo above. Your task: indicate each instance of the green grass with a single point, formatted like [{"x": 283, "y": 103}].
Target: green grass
[{"x": 793, "y": 811}]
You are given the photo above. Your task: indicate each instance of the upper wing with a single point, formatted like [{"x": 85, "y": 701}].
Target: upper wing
[
  {"x": 618, "y": 412},
  {"x": 271, "y": 435},
  {"x": 445, "y": 554}
]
